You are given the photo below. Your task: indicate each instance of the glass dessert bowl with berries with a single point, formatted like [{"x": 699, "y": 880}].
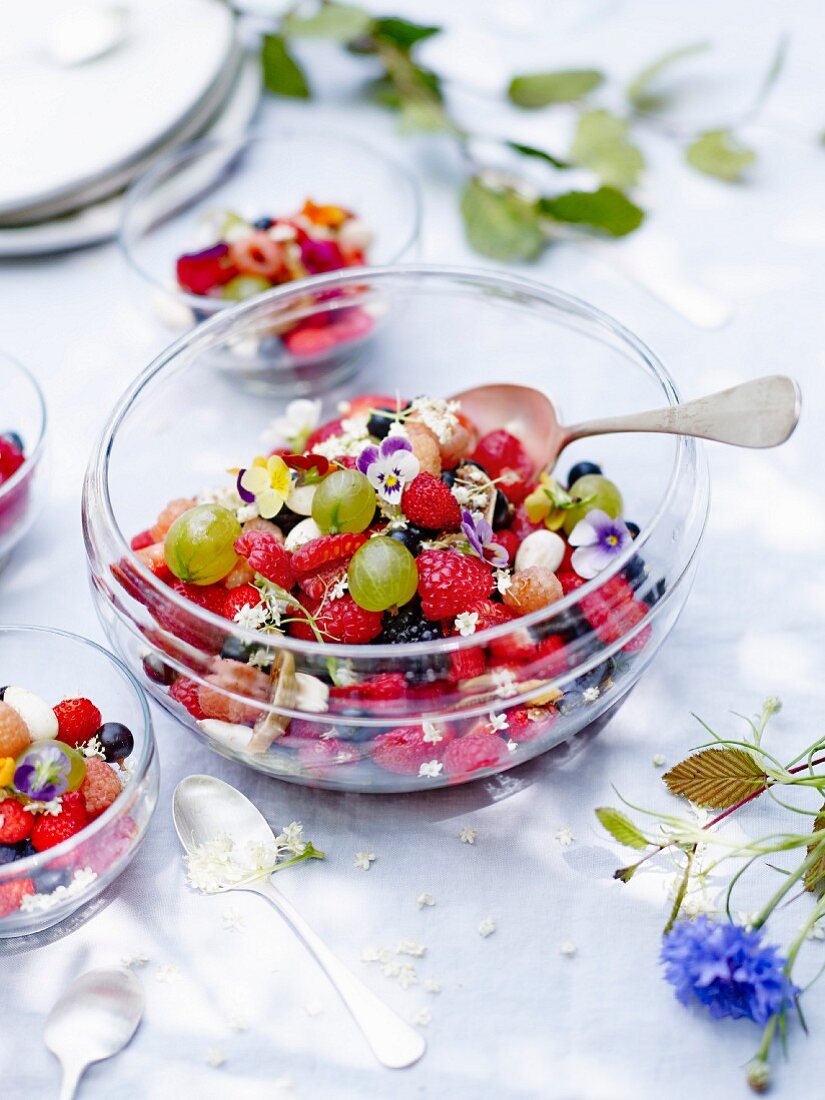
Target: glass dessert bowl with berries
[
  {"x": 78, "y": 777},
  {"x": 222, "y": 221},
  {"x": 368, "y": 590},
  {"x": 22, "y": 448}
]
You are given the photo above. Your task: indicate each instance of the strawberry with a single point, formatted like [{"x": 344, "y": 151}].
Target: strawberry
[
  {"x": 185, "y": 692},
  {"x": 12, "y": 893},
  {"x": 77, "y": 720},
  {"x": 316, "y": 553},
  {"x": 199, "y": 272},
  {"x": 326, "y": 431},
  {"x": 236, "y": 599},
  {"x": 15, "y": 822},
  {"x": 467, "y": 664},
  {"x": 11, "y": 459},
  {"x": 386, "y": 685},
  {"x": 405, "y": 749},
  {"x": 142, "y": 540},
  {"x": 100, "y": 786},
  {"x": 50, "y": 830},
  {"x": 338, "y": 621},
  {"x": 472, "y": 752},
  {"x": 449, "y": 581},
  {"x": 266, "y": 556},
  {"x": 428, "y": 503},
  {"x": 209, "y": 596}
]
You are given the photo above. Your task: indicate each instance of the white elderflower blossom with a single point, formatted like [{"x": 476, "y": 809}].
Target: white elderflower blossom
[
  {"x": 504, "y": 683},
  {"x": 363, "y": 860},
  {"x": 424, "y": 899},
  {"x": 431, "y": 986},
  {"x": 431, "y": 733},
  {"x": 468, "y": 834},
  {"x": 214, "y": 1057},
  {"x": 498, "y": 722},
  {"x": 590, "y": 694},
  {"x": 565, "y": 837},
  {"x": 437, "y": 414},
  {"x": 568, "y": 949},
  {"x": 423, "y": 1017},
  {"x": 168, "y": 974},
  {"x": 252, "y": 618},
  {"x": 503, "y": 580},
  {"x": 431, "y": 770},
  {"x": 233, "y": 920},
  {"x": 486, "y": 927},
  {"x": 411, "y": 947}
]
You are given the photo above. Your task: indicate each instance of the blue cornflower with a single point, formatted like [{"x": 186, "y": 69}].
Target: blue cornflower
[{"x": 727, "y": 968}]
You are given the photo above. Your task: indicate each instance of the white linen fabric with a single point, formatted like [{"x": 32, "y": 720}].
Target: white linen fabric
[{"x": 515, "y": 1017}]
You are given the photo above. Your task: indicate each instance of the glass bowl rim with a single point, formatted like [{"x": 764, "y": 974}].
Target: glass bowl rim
[
  {"x": 138, "y": 771},
  {"x": 97, "y": 471},
  {"x": 144, "y": 183},
  {"x": 34, "y": 456}
]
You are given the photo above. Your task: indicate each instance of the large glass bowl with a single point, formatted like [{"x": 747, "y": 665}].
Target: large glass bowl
[
  {"x": 22, "y": 412},
  {"x": 55, "y": 883},
  {"x": 182, "y": 424}
]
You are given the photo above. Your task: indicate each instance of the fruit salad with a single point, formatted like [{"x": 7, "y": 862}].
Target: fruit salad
[
  {"x": 397, "y": 523},
  {"x": 61, "y": 767},
  {"x": 12, "y": 457}
]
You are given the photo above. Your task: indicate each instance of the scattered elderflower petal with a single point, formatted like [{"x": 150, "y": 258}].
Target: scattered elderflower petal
[
  {"x": 468, "y": 834},
  {"x": 658, "y": 760},
  {"x": 406, "y": 975},
  {"x": 565, "y": 837},
  {"x": 430, "y": 985},
  {"x": 411, "y": 947},
  {"x": 431, "y": 770},
  {"x": 568, "y": 949},
  {"x": 234, "y": 920},
  {"x": 424, "y": 899},
  {"x": 423, "y": 1017},
  {"x": 591, "y": 694},
  {"x": 214, "y": 1057},
  {"x": 363, "y": 860},
  {"x": 486, "y": 927},
  {"x": 132, "y": 961},
  {"x": 168, "y": 974},
  {"x": 313, "y": 1008}
]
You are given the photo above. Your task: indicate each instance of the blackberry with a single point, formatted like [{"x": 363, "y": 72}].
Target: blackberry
[{"x": 408, "y": 625}]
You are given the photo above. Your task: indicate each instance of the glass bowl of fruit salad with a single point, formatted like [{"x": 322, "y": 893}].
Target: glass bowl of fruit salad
[
  {"x": 219, "y": 222},
  {"x": 78, "y": 774},
  {"x": 365, "y": 590},
  {"x": 22, "y": 449}
]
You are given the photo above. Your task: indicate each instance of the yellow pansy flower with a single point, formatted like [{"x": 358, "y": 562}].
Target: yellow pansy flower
[
  {"x": 268, "y": 481},
  {"x": 7, "y": 766}
]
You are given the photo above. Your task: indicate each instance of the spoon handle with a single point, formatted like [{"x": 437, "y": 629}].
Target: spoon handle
[
  {"x": 394, "y": 1042},
  {"x": 762, "y": 413},
  {"x": 72, "y": 1072}
]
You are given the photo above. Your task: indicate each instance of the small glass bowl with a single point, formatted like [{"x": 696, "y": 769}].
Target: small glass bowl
[
  {"x": 54, "y": 664},
  {"x": 22, "y": 411},
  {"x": 261, "y": 175},
  {"x": 181, "y": 425}
]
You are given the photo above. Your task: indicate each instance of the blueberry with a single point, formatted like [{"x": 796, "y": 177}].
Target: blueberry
[
  {"x": 656, "y": 593},
  {"x": 502, "y": 514},
  {"x": 263, "y": 223},
  {"x": 13, "y": 438},
  {"x": 157, "y": 670},
  {"x": 448, "y": 477},
  {"x": 379, "y": 424},
  {"x": 24, "y": 849},
  {"x": 270, "y": 347},
  {"x": 592, "y": 678},
  {"x": 49, "y": 880},
  {"x": 410, "y": 536},
  {"x": 581, "y": 469},
  {"x": 635, "y": 571},
  {"x": 116, "y": 741},
  {"x": 8, "y": 853},
  {"x": 633, "y": 528}
]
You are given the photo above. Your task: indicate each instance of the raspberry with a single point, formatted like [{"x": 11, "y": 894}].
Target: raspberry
[
  {"x": 209, "y": 596},
  {"x": 77, "y": 720},
  {"x": 338, "y": 621},
  {"x": 316, "y": 553},
  {"x": 425, "y": 447},
  {"x": 510, "y": 541},
  {"x": 448, "y": 581},
  {"x": 266, "y": 556},
  {"x": 532, "y": 589},
  {"x": 608, "y": 609},
  {"x": 49, "y": 830},
  {"x": 503, "y": 456},
  {"x": 100, "y": 787},
  {"x": 11, "y": 459},
  {"x": 386, "y": 685},
  {"x": 347, "y": 461},
  {"x": 12, "y": 893},
  {"x": 15, "y": 822},
  {"x": 317, "y": 585},
  {"x": 527, "y": 723},
  {"x": 405, "y": 749},
  {"x": 326, "y": 431},
  {"x": 236, "y": 599},
  {"x": 14, "y": 733},
  {"x": 428, "y": 503},
  {"x": 569, "y": 580},
  {"x": 467, "y": 664},
  {"x": 489, "y": 613},
  {"x": 185, "y": 692},
  {"x": 472, "y": 752}
]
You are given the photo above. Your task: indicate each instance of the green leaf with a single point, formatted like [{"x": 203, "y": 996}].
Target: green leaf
[
  {"x": 621, "y": 828},
  {"x": 717, "y": 153},
  {"x": 535, "y": 90},
  {"x": 639, "y": 93},
  {"x": 401, "y": 32},
  {"x": 282, "y": 73},
  {"x": 600, "y": 144},
  {"x": 716, "y": 778},
  {"x": 422, "y": 115},
  {"x": 384, "y": 90},
  {"x": 606, "y": 209},
  {"x": 339, "y": 22},
  {"x": 815, "y": 875},
  {"x": 501, "y": 223},
  {"x": 541, "y": 154}
]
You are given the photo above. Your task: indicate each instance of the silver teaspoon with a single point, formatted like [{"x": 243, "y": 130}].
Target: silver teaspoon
[
  {"x": 203, "y": 808},
  {"x": 94, "y": 1019}
]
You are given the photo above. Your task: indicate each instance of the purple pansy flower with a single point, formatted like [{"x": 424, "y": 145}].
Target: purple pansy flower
[
  {"x": 389, "y": 467},
  {"x": 43, "y": 773},
  {"x": 729, "y": 969},
  {"x": 599, "y": 539},
  {"x": 480, "y": 536}
]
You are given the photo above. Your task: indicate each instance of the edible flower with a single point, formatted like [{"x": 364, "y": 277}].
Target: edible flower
[
  {"x": 481, "y": 538},
  {"x": 7, "y": 766},
  {"x": 296, "y": 425},
  {"x": 267, "y": 482},
  {"x": 389, "y": 467},
  {"x": 598, "y": 539},
  {"x": 548, "y": 503},
  {"x": 42, "y": 773}
]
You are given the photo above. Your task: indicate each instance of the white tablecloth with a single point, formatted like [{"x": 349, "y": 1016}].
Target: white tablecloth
[{"x": 514, "y": 1017}]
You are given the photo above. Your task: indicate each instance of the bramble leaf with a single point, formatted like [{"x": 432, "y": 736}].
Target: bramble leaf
[
  {"x": 600, "y": 144},
  {"x": 716, "y": 778},
  {"x": 281, "y": 72},
  {"x": 501, "y": 223},
  {"x": 621, "y": 828},
  {"x": 718, "y": 153},
  {"x": 339, "y": 22},
  {"x": 534, "y": 90},
  {"x": 606, "y": 209},
  {"x": 815, "y": 875},
  {"x": 639, "y": 92}
]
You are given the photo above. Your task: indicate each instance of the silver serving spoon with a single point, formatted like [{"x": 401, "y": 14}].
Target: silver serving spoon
[
  {"x": 204, "y": 807},
  {"x": 762, "y": 413},
  {"x": 94, "y": 1019}
]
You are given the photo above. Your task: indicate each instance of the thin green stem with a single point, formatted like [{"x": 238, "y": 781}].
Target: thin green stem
[
  {"x": 680, "y": 894},
  {"x": 813, "y": 856}
]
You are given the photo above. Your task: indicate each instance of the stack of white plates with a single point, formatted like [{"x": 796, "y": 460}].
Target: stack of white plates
[{"x": 93, "y": 92}]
